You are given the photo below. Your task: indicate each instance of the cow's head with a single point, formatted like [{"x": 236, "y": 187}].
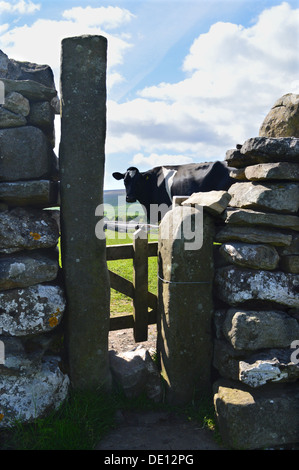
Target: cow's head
[{"x": 133, "y": 181}]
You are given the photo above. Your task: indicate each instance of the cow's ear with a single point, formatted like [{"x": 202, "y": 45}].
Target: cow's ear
[{"x": 118, "y": 176}]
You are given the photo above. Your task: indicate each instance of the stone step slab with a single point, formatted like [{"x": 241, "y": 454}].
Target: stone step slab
[
  {"x": 24, "y": 270},
  {"x": 237, "y": 286},
  {"x": 136, "y": 373},
  {"x": 27, "y": 229},
  {"x": 276, "y": 197},
  {"x": 257, "y": 418},
  {"x": 32, "y": 310},
  {"x": 26, "y": 154}
]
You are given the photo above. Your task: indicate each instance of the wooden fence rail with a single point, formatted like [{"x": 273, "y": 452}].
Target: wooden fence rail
[{"x": 144, "y": 302}]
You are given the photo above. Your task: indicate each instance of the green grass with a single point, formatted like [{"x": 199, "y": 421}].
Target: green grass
[
  {"x": 79, "y": 424},
  {"x": 86, "y": 417},
  {"x": 119, "y": 303}
]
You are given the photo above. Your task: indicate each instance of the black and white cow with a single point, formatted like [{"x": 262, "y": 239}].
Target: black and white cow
[{"x": 158, "y": 185}]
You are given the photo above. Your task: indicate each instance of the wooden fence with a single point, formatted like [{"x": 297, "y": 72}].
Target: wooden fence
[{"x": 144, "y": 302}]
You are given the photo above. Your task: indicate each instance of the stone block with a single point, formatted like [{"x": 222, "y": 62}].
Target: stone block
[
  {"x": 238, "y": 174},
  {"x": 250, "y": 217},
  {"x": 135, "y": 372},
  {"x": 239, "y": 286},
  {"x": 34, "y": 193},
  {"x": 264, "y": 150},
  {"x": 257, "y": 369},
  {"x": 27, "y": 229},
  {"x": 273, "y": 171},
  {"x": 24, "y": 269},
  {"x": 251, "y": 330},
  {"x": 282, "y": 148},
  {"x": 26, "y": 154},
  {"x": 36, "y": 390},
  {"x": 290, "y": 264},
  {"x": 292, "y": 248},
  {"x": 31, "y": 310},
  {"x": 32, "y": 90},
  {"x": 257, "y": 418},
  {"x": 276, "y": 197},
  {"x": 214, "y": 202},
  {"x": 226, "y": 359},
  {"x": 17, "y": 103},
  {"x": 271, "y": 366},
  {"x": 9, "y": 119},
  {"x": 251, "y": 234},
  {"x": 20, "y": 70},
  {"x": 283, "y": 118},
  {"x": 42, "y": 116},
  {"x": 254, "y": 256}
]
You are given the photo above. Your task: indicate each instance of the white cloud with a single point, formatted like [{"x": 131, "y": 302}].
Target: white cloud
[
  {"x": 234, "y": 74},
  {"x": 107, "y": 17},
  {"x": 22, "y": 7},
  {"x": 155, "y": 159},
  {"x": 21, "y": 43},
  {"x": 4, "y": 27}
]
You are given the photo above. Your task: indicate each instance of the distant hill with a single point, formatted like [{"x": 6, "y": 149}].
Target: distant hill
[{"x": 111, "y": 196}]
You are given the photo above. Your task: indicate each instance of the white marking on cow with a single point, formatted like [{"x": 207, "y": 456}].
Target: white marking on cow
[
  {"x": 168, "y": 179},
  {"x": 132, "y": 173}
]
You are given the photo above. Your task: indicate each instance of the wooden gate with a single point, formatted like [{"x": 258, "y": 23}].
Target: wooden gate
[{"x": 144, "y": 302}]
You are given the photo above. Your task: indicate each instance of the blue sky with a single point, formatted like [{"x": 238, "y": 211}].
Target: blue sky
[{"x": 187, "y": 80}]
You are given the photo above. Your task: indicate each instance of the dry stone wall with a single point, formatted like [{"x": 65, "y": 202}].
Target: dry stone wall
[
  {"x": 256, "y": 294},
  {"x": 32, "y": 300},
  {"x": 256, "y": 291}
]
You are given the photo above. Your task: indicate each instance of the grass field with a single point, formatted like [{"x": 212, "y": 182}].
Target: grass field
[
  {"x": 116, "y": 207},
  {"x": 119, "y": 303}
]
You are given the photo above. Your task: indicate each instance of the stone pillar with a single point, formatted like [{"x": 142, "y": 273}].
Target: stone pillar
[
  {"x": 185, "y": 305},
  {"x": 82, "y": 159}
]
